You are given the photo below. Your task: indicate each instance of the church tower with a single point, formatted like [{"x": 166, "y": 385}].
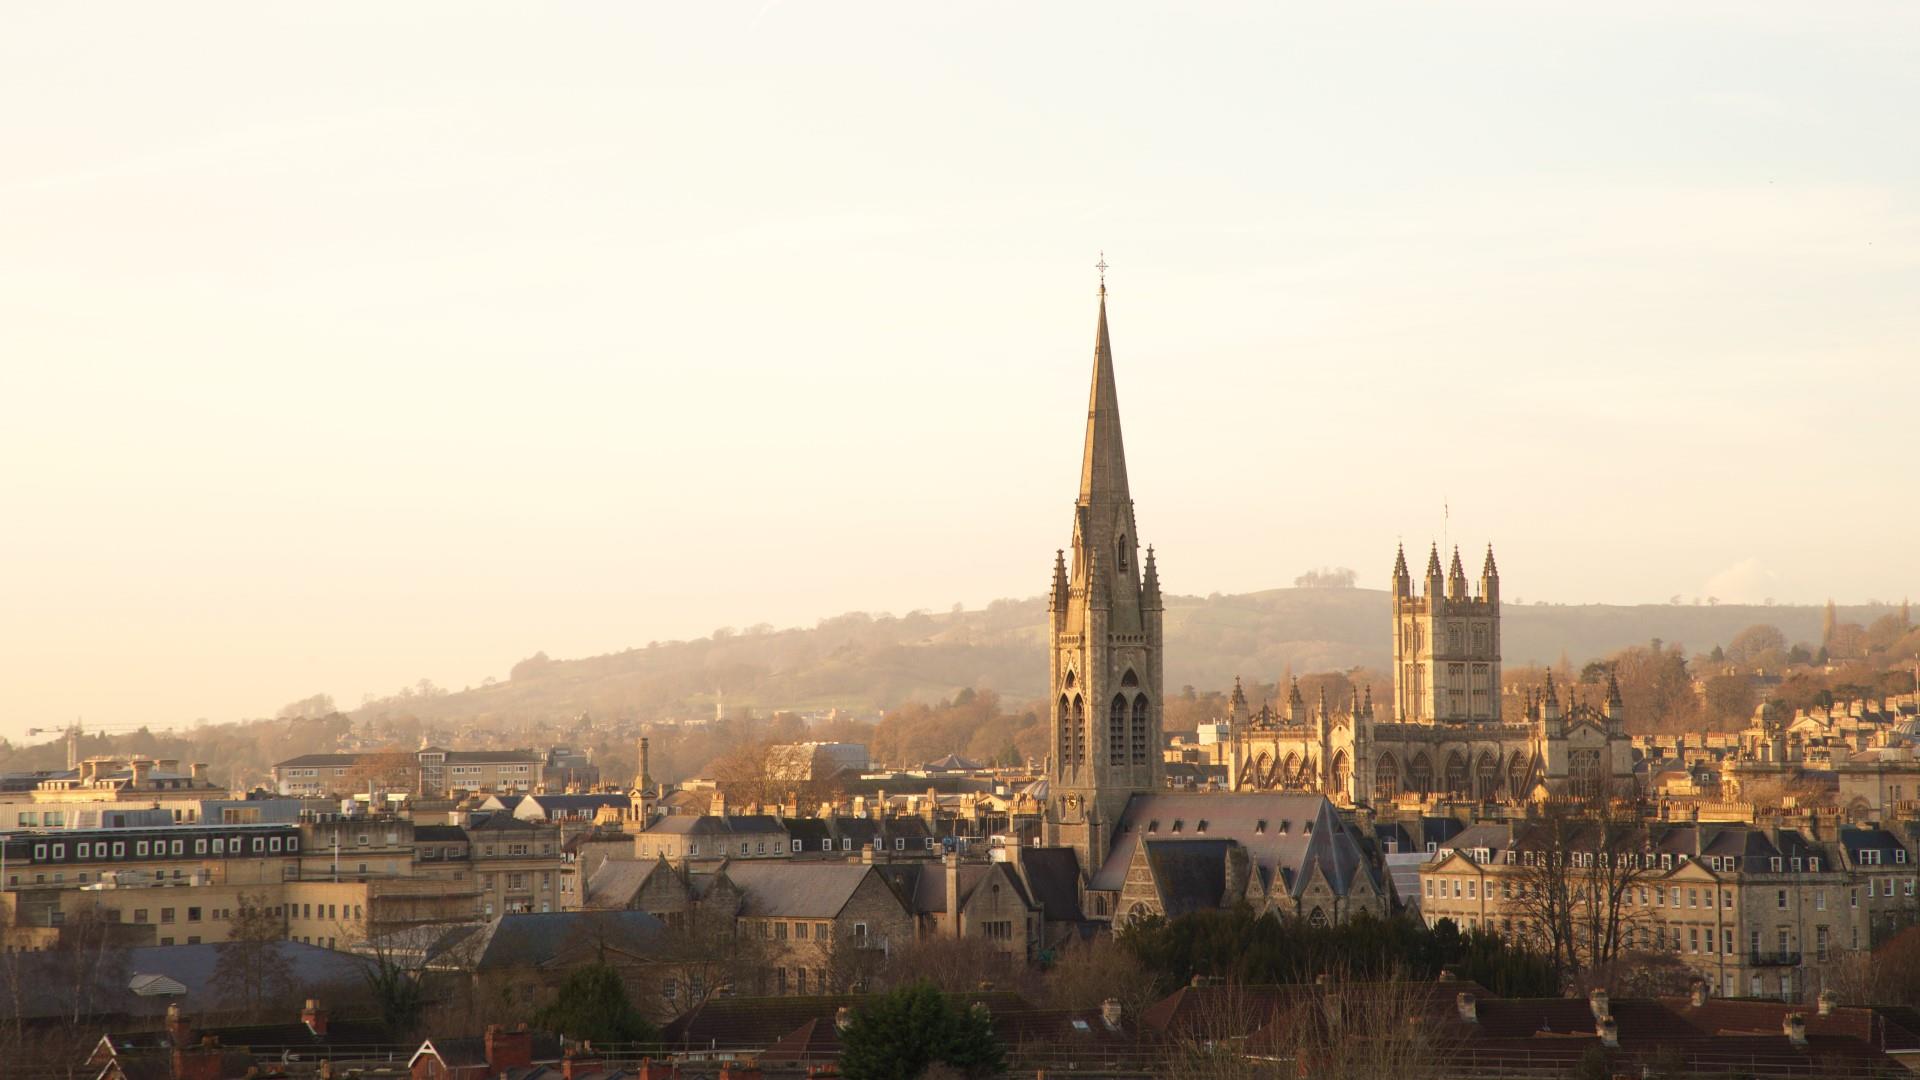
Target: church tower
[
  {"x": 1104, "y": 616},
  {"x": 1446, "y": 643}
]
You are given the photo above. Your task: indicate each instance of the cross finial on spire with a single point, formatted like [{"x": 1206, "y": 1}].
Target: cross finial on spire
[{"x": 1102, "y": 267}]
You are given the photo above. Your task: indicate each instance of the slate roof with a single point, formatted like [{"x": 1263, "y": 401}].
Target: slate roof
[
  {"x": 714, "y": 824},
  {"x": 1190, "y": 874},
  {"x": 189, "y": 966},
  {"x": 616, "y": 882},
  {"x": 494, "y": 757},
  {"x": 306, "y": 761},
  {"x": 439, "y": 834},
  {"x": 923, "y": 883},
  {"x": 1053, "y": 875},
  {"x": 800, "y": 890},
  {"x": 1285, "y": 834},
  {"x": 543, "y": 938}
]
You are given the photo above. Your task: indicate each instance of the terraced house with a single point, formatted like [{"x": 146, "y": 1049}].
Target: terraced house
[{"x": 1755, "y": 911}]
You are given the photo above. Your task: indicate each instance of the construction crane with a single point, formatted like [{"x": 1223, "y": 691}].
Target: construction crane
[{"x": 73, "y": 732}]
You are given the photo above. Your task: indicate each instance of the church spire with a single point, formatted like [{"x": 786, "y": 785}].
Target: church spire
[{"x": 1103, "y": 467}]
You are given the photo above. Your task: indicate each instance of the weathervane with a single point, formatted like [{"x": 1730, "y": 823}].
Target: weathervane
[{"x": 1102, "y": 267}]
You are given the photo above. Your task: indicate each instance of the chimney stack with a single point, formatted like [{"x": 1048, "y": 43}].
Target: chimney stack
[
  {"x": 1469, "y": 1007},
  {"x": 1597, "y": 1001},
  {"x": 1609, "y": 1032},
  {"x": 1697, "y": 993},
  {"x": 179, "y": 1028},
  {"x": 953, "y": 894},
  {"x": 506, "y": 1049},
  {"x": 1795, "y": 1028},
  {"x": 314, "y": 1017},
  {"x": 1828, "y": 999},
  {"x": 1111, "y": 1013}
]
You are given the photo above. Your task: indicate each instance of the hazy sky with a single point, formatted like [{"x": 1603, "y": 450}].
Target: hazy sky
[{"x": 347, "y": 344}]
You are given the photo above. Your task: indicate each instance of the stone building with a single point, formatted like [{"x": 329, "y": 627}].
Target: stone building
[
  {"x": 1755, "y": 911},
  {"x": 1104, "y": 626},
  {"x": 1450, "y": 733}
]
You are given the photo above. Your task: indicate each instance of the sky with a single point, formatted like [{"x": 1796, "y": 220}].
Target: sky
[{"x": 344, "y": 345}]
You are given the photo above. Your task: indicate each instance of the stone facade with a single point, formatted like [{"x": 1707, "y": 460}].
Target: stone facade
[
  {"x": 1449, "y": 733},
  {"x": 1104, "y": 618}
]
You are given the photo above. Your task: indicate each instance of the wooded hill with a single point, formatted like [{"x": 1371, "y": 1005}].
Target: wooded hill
[{"x": 865, "y": 663}]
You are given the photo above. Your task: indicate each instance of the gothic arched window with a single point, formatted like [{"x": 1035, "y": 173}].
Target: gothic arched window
[
  {"x": 1386, "y": 778},
  {"x": 1518, "y": 776},
  {"x": 1290, "y": 772},
  {"x": 1263, "y": 770},
  {"x": 1117, "y": 731},
  {"x": 1342, "y": 774},
  {"x": 1584, "y": 777},
  {"x": 1457, "y": 774},
  {"x": 1066, "y": 730},
  {"x": 1079, "y": 731},
  {"x": 1143, "y": 747},
  {"x": 1120, "y": 551},
  {"x": 1129, "y": 680},
  {"x": 1420, "y": 774},
  {"x": 1317, "y": 918},
  {"x": 1487, "y": 776}
]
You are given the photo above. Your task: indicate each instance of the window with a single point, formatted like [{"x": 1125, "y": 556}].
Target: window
[
  {"x": 1783, "y": 899},
  {"x": 796, "y": 845},
  {"x": 800, "y": 931},
  {"x": 166, "y": 914},
  {"x": 193, "y": 914},
  {"x": 139, "y": 914},
  {"x": 779, "y": 931}
]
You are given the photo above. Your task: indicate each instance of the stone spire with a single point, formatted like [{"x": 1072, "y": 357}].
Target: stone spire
[
  {"x": 1150, "y": 586},
  {"x": 1490, "y": 578},
  {"x": 1436, "y": 578},
  {"x": 1456, "y": 578},
  {"x": 1402, "y": 581},
  {"x": 1296, "y": 704},
  {"x": 1057, "y": 599},
  {"x": 1103, "y": 467}
]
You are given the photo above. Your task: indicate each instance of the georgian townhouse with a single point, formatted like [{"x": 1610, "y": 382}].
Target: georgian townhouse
[{"x": 1756, "y": 912}]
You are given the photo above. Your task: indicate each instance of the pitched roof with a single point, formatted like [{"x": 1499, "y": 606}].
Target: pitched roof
[
  {"x": 1285, "y": 835},
  {"x": 1190, "y": 874},
  {"x": 1053, "y": 874},
  {"x": 803, "y": 890},
  {"x": 307, "y": 761},
  {"x": 616, "y": 882}
]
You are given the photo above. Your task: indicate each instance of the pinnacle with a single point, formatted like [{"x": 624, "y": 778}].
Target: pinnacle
[
  {"x": 1433, "y": 561},
  {"x": 1400, "y": 562},
  {"x": 1488, "y": 569}
]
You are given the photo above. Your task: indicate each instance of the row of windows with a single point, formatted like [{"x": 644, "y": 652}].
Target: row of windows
[{"x": 56, "y": 851}]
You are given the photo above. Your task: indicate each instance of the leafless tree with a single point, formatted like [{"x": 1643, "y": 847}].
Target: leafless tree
[
  {"x": 252, "y": 972},
  {"x": 1348, "y": 1030}
]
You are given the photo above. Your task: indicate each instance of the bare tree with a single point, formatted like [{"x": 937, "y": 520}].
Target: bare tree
[
  {"x": 252, "y": 972},
  {"x": 1578, "y": 862},
  {"x": 1346, "y": 1030}
]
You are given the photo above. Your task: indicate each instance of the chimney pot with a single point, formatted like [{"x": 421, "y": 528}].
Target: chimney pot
[
  {"x": 1828, "y": 999},
  {"x": 1609, "y": 1032},
  {"x": 1795, "y": 1028}
]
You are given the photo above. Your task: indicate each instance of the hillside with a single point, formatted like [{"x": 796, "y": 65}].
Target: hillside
[{"x": 866, "y": 663}]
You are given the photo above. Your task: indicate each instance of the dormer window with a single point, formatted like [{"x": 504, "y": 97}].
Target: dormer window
[
  {"x": 1201, "y": 827},
  {"x": 1261, "y": 826},
  {"x": 1176, "y": 824},
  {"x": 1154, "y": 825},
  {"x": 1774, "y": 863},
  {"x": 1899, "y": 855},
  {"x": 1798, "y": 865}
]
